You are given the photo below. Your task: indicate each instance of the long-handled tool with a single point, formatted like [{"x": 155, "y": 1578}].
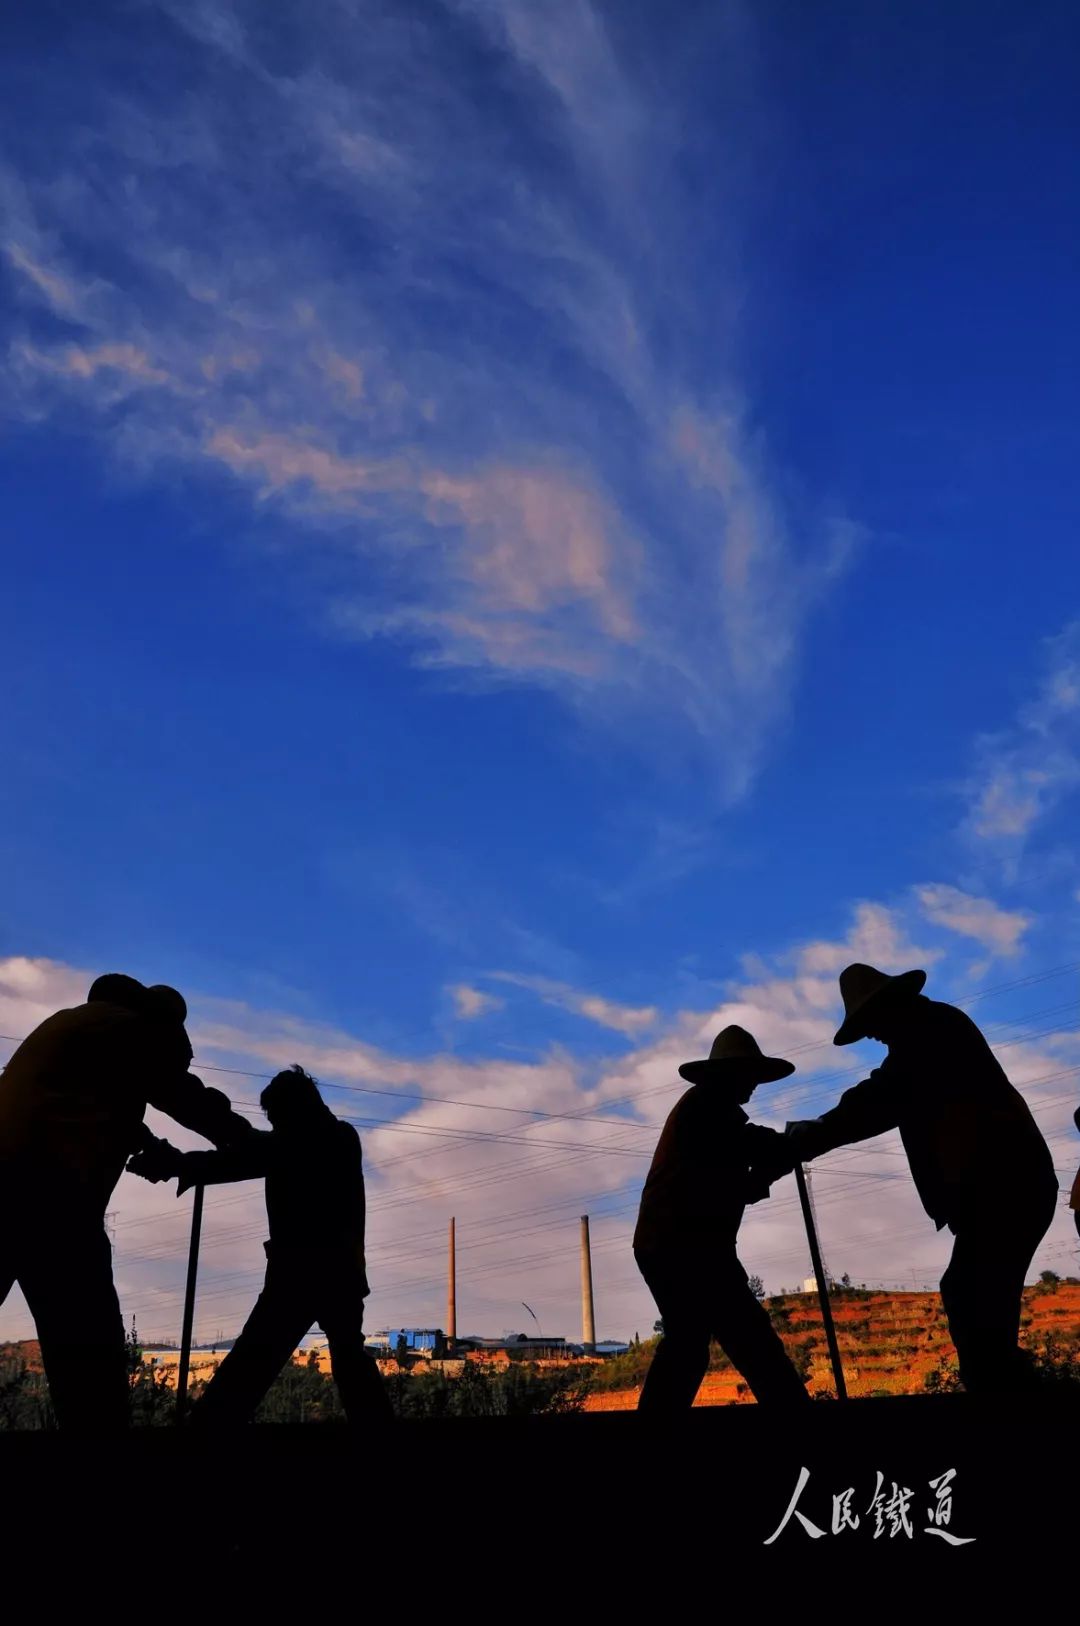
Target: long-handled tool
[
  {"x": 189, "y": 1305},
  {"x": 822, "y": 1286}
]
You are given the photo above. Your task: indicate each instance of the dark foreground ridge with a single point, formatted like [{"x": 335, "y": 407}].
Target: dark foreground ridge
[{"x": 713, "y": 1487}]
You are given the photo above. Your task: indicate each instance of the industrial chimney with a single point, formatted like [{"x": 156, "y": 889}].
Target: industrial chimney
[
  {"x": 451, "y": 1293},
  {"x": 588, "y": 1324}
]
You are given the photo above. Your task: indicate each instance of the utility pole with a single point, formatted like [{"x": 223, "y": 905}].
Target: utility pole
[{"x": 588, "y": 1322}]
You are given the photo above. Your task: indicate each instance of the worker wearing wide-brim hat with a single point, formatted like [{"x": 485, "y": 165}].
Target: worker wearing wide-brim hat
[
  {"x": 979, "y": 1162},
  {"x": 709, "y": 1163}
]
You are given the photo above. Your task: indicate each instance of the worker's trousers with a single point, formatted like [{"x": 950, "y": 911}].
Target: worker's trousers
[
  {"x": 982, "y": 1289},
  {"x": 706, "y": 1297},
  {"x": 301, "y": 1289},
  {"x": 53, "y": 1243}
]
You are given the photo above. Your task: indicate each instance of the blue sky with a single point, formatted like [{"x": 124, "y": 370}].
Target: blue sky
[{"x": 530, "y": 530}]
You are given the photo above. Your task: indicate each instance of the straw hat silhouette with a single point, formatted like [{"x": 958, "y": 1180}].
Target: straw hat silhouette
[
  {"x": 861, "y": 987},
  {"x": 735, "y": 1057}
]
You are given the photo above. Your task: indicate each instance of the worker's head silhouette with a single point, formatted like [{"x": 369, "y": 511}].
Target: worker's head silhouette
[
  {"x": 166, "y": 1003},
  {"x": 159, "y": 1002},
  {"x": 292, "y": 1099},
  {"x": 876, "y": 1006},
  {"x": 736, "y": 1065},
  {"x": 114, "y": 988}
]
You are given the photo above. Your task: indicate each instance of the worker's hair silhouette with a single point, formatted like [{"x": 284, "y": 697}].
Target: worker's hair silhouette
[
  {"x": 289, "y": 1092},
  {"x": 114, "y": 988},
  {"x": 312, "y": 1165}
]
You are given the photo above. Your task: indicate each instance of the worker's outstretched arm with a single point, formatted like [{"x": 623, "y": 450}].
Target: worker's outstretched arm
[
  {"x": 209, "y": 1112},
  {"x": 868, "y": 1109},
  {"x": 249, "y": 1159},
  {"x": 772, "y": 1156}
]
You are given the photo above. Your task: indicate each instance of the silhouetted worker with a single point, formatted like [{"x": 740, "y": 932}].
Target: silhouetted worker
[
  {"x": 72, "y": 1100},
  {"x": 313, "y": 1167},
  {"x": 701, "y": 1178},
  {"x": 1074, "y": 1195},
  {"x": 978, "y": 1160}
]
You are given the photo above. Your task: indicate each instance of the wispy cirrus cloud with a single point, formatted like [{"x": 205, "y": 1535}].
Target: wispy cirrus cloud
[
  {"x": 533, "y": 582},
  {"x": 86, "y": 362},
  {"x": 433, "y": 343},
  {"x": 607, "y": 1013},
  {"x": 470, "y": 1002},
  {"x": 1000, "y": 930},
  {"x": 58, "y": 292},
  {"x": 877, "y": 937},
  {"x": 1026, "y": 771}
]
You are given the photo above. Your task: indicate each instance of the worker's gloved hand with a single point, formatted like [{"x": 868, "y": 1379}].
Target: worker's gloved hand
[
  {"x": 187, "y": 1172},
  {"x": 803, "y": 1138},
  {"x": 156, "y": 1160},
  {"x": 771, "y": 1158},
  {"x": 144, "y": 1137}
]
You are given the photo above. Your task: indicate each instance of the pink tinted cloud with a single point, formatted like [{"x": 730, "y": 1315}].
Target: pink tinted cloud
[
  {"x": 470, "y": 1002},
  {"x": 82, "y": 363},
  {"x": 1000, "y": 930},
  {"x": 607, "y": 1013},
  {"x": 536, "y": 539},
  {"x": 347, "y": 375},
  {"x": 58, "y": 290},
  {"x": 120, "y": 358},
  {"x": 277, "y": 461},
  {"x": 532, "y": 542}
]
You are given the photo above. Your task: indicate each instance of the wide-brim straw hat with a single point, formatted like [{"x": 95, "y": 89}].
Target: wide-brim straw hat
[
  {"x": 736, "y": 1058},
  {"x": 862, "y": 987}
]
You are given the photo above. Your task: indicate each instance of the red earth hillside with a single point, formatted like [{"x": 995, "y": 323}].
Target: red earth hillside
[{"x": 890, "y": 1343}]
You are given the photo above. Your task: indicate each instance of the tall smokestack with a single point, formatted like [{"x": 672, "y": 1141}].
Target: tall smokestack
[
  {"x": 451, "y": 1291},
  {"x": 588, "y": 1325}
]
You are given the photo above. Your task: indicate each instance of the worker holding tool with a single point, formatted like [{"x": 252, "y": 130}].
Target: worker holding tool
[
  {"x": 979, "y": 1162},
  {"x": 711, "y": 1162},
  {"x": 1074, "y": 1195},
  {"x": 313, "y": 1168},
  {"x": 72, "y": 1100}
]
